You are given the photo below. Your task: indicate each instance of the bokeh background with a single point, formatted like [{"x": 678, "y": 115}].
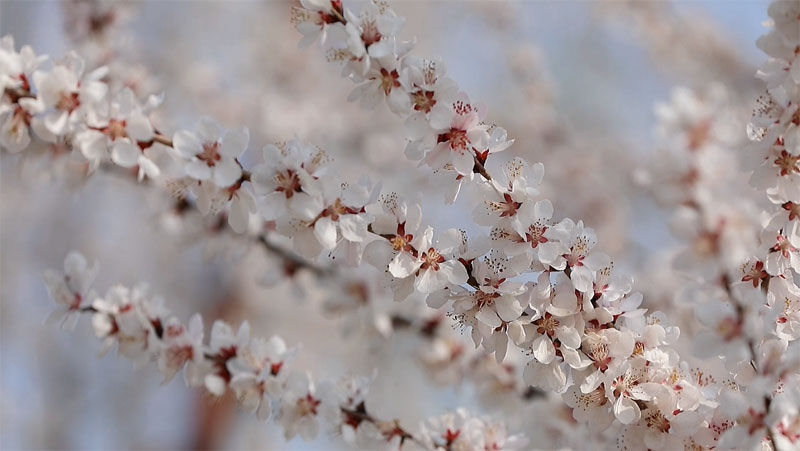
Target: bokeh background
[{"x": 575, "y": 82}]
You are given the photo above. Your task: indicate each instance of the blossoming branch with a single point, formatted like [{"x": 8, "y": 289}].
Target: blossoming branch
[
  {"x": 350, "y": 294},
  {"x": 531, "y": 278},
  {"x": 446, "y": 132},
  {"x": 256, "y": 370}
]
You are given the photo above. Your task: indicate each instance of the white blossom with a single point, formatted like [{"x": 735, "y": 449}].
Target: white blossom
[{"x": 212, "y": 152}]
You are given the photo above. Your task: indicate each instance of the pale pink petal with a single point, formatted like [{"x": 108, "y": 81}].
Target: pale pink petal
[
  {"x": 626, "y": 410},
  {"x": 186, "y": 144},
  {"x": 226, "y": 172},
  {"x": 234, "y": 142},
  {"x": 325, "y": 231},
  {"x": 403, "y": 265},
  {"x": 508, "y": 308},
  {"x": 489, "y": 317},
  {"x": 138, "y": 127},
  {"x": 543, "y": 349},
  {"x": 125, "y": 153}
]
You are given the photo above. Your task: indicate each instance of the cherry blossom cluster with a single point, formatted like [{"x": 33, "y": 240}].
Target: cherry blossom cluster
[
  {"x": 695, "y": 172},
  {"x": 256, "y": 371},
  {"x": 124, "y": 136},
  {"x": 583, "y": 326},
  {"x": 775, "y": 151},
  {"x": 580, "y": 321},
  {"x": 298, "y": 197},
  {"x": 531, "y": 278},
  {"x": 289, "y": 187},
  {"x": 767, "y": 314},
  {"x": 774, "y": 156},
  {"x": 747, "y": 310}
]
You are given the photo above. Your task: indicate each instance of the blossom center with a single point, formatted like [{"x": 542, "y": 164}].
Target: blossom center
[
  {"x": 371, "y": 34},
  {"x": 220, "y": 361},
  {"x": 535, "y": 234},
  {"x": 578, "y": 251},
  {"x": 458, "y": 139},
  {"x": 783, "y": 246},
  {"x": 599, "y": 354},
  {"x": 68, "y": 101},
  {"x": 547, "y": 324},
  {"x": 623, "y": 385},
  {"x": 389, "y": 80},
  {"x": 755, "y": 274},
  {"x": 307, "y": 406},
  {"x": 116, "y": 129},
  {"x": 793, "y": 209},
  {"x": 787, "y": 163},
  {"x": 339, "y": 209},
  {"x": 507, "y": 207},
  {"x": 485, "y": 299},
  {"x": 288, "y": 183},
  {"x": 432, "y": 259},
  {"x": 707, "y": 244},
  {"x": 210, "y": 154},
  {"x": 753, "y": 419},
  {"x": 423, "y": 100},
  {"x": 597, "y": 397},
  {"x": 336, "y": 6},
  {"x": 401, "y": 242},
  {"x": 656, "y": 420}
]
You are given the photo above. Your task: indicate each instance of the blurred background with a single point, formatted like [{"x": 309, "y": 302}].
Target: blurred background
[{"x": 574, "y": 82}]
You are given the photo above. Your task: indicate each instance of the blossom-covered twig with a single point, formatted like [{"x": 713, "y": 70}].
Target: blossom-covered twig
[
  {"x": 768, "y": 279},
  {"x": 570, "y": 318},
  {"x": 257, "y": 371},
  {"x": 579, "y": 328},
  {"x": 159, "y": 163},
  {"x": 589, "y": 339}
]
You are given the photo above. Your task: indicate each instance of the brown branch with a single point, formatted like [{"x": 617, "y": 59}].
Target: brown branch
[
  {"x": 291, "y": 261},
  {"x": 162, "y": 139},
  {"x": 389, "y": 429},
  {"x": 480, "y": 168},
  {"x": 294, "y": 261}
]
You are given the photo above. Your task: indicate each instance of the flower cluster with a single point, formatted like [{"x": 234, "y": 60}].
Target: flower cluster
[
  {"x": 766, "y": 314},
  {"x": 774, "y": 155},
  {"x": 534, "y": 279},
  {"x": 745, "y": 306},
  {"x": 445, "y": 129},
  {"x": 256, "y": 371},
  {"x": 293, "y": 186},
  {"x": 695, "y": 173},
  {"x": 582, "y": 324}
]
